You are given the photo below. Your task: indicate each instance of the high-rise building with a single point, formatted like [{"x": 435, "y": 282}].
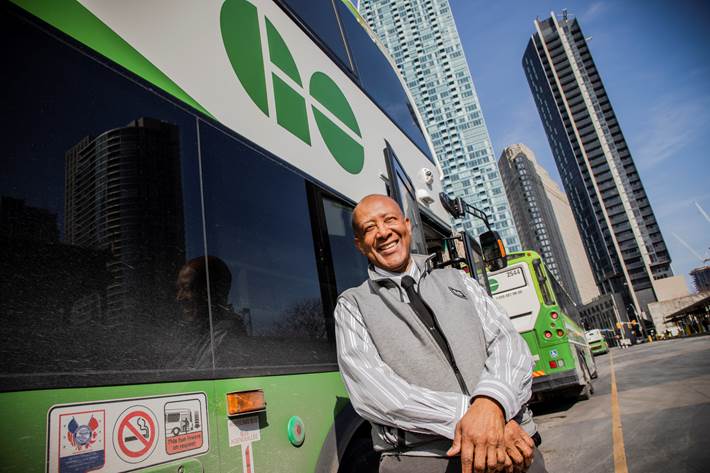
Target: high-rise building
[
  {"x": 526, "y": 184},
  {"x": 701, "y": 278},
  {"x": 422, "y": 39},
  {"x": 619, "y": 230},
  {"x": 571, "y": 240},
  {"x": 123, "y": 197}
]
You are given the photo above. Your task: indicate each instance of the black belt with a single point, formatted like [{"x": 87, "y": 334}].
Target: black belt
[{"x": 537, "y": 439}]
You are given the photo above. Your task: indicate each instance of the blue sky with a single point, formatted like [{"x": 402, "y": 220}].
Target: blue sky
[{"x": 654, "y": 59}]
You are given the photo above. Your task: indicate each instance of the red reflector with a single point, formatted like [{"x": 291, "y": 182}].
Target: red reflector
[
  {"x": 554, "y": 315},
  {"x": 548, "y": 334},
  {"x": 553, "y": 364}
]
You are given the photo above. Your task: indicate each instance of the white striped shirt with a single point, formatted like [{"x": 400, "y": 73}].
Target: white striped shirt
[{"x": 379, "y": 395}]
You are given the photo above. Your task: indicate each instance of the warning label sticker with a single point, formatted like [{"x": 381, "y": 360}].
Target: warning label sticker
[
  {"x": 183, "y": 426},
  {"x": 243, "y": 430},
  {"x": 134, "y": 436},
  {"x": 122, "y": 435}
]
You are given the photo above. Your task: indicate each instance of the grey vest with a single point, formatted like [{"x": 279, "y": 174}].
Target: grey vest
[{"x": 406, "y": 345}]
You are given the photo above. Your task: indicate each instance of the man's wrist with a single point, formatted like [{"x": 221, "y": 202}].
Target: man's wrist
[{"x": 488, "y": 400}]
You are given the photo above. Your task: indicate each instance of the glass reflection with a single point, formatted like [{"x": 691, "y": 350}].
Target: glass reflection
[
  {"x": 349, "y": 264},
  {"x": 258, "y": 223},
  {"x": 99, "y": 211}
]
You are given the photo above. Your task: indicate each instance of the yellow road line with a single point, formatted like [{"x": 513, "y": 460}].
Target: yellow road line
[{"x": 617, "y": 433}]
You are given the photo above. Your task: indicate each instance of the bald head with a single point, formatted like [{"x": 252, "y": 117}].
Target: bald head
[
  {"x": 365, "y": 204},
  {"x": 382, "y": 233}
]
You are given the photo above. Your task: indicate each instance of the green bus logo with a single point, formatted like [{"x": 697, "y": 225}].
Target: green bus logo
[
  {"x": 493, "y": 284},
  {"x": 241, "y": 34}
]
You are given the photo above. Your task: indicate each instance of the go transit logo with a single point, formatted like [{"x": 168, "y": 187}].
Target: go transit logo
[{"x": 241, "y": 34}]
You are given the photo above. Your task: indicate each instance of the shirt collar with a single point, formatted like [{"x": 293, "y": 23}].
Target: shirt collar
[{"x": 413, "y": 271}]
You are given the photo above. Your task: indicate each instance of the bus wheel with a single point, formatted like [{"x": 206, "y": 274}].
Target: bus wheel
[
  {"x": 176, "y": 431},
  {"x": 360, "y": 457},
  {"x": 588, "y": 388},
  {"x": 595, "y": 375}
]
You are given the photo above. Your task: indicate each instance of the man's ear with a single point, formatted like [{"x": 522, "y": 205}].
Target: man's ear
[{"x": 409, "y": 224}]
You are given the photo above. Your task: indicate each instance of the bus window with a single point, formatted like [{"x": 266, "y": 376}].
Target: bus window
[
  {"x": 349, "y": 264},
  {"x": 266, "y": 242},
  {"x": 99, "y": 211},
  {"x": 321, "y": 21},
  {"x": 402, "y": 190},
  {"x": 542, "y": 282},
  {"x": 379, "y": 79}
]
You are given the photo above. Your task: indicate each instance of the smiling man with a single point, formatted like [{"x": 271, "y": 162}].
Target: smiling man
[{"x": 428, "y": 358}]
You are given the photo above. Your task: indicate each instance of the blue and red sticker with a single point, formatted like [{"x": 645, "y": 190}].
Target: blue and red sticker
[{"x": 81, "y": 441}]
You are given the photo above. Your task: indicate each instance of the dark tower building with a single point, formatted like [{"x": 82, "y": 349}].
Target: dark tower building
[
  {"x": 533, "y": 213},
  {"x": 615, "y": 219},
  {"x": 123, "y": 196}
]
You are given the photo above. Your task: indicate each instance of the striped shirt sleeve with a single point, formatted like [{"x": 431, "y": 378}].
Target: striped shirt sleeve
[
  {"x": 378, "y": 394},
  {"x": 507, "y": 374}
]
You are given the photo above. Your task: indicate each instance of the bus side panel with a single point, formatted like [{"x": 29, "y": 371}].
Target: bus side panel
[
  {"x": 315, "y": 399},
  {"x": 25, "y": 430},
  {"x": 534, "y": 347}
]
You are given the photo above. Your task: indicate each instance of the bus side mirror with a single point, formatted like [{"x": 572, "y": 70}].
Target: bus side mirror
[
  {"x": 493, "y": 250},
  {"x": 454, "y": 207}
]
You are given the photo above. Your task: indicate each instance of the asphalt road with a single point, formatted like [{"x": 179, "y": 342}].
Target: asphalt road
[{"x": 664, "y": 405}]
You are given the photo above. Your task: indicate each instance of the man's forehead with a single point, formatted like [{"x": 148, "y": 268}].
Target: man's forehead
[{"x": 377, "y": 205}]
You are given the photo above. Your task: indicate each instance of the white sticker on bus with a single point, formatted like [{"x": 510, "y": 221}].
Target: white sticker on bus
[
  {"x": 122, "y": 435},
  {"x": 243, "y": 430}
]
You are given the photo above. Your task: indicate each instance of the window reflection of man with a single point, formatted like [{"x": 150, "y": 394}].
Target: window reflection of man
[{"x": 195, "y": 321}]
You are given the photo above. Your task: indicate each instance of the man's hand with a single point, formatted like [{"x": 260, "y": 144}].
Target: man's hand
[
  {"x": 519, "y": 447},
  {"x": 479, "y": 437}
]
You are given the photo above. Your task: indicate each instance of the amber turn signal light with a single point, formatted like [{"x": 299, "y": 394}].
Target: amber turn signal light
[{"x": 245, "y": 402}]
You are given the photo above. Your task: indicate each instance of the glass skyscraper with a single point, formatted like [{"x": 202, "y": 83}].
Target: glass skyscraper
[
  {"x": 422, "y": 39},
  {"x": 613, "y": 213}
]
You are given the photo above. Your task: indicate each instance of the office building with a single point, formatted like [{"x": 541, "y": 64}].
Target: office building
[
  {"x": 533, "y": 213},
  {"x": 571, "y": 240},
  {"x": 618, "y": 228},
  {"x": 605, "y": 312},
  {"x": 423, "y": 41}
]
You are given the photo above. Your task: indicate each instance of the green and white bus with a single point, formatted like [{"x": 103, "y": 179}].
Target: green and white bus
[
  {"x": 175, "y": 200},
  {"x": 547, "y": 319}
]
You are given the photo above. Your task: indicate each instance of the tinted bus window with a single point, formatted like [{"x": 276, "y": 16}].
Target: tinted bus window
[
  {"x": 99, "y": 210},
  {"x": 379, "y": 79},
  {"x": 320, "y": 18},
  {"x": 349, "y": 264},
  {"x": 258, "y": 227}
]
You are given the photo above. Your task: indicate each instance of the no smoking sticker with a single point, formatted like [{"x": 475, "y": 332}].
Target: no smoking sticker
[
  {"x": 135, "y": 434},
  {"x": 126, "y": 434}
]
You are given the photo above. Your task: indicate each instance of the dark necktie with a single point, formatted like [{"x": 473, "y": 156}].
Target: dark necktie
[{"x": 424, "y": 313}]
